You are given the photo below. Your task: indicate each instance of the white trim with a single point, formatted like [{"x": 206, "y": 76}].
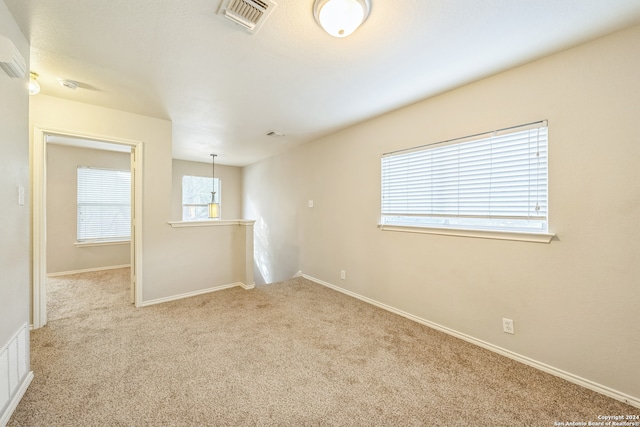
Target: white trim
[
  {"x": 15, "y": 375},
  {"x": 105, "y": 243},
  {"x": 137, "y": 156},
  {"x": 87, "y": 270},
  {"x": 195, "y": 293},
  {"x": 483, "y": 234},
  {"x": 210, "y": 223},
  {"x": 39, "y": 230},
  {"x": 13, "y": 403},
  {"x": 247, "y": 287},
  {"x": 583, "y": 382}
]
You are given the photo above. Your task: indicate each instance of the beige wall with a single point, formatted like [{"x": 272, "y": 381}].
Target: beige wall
[
  {"x": 14, "y": 171},
  {"x": 62, "y": 253},
  {"x": 574, "y": 301},
  {"x": 231, "y": 187},
  {"x": 15, "y": 231},
  {"x": 172, "y": 263}
]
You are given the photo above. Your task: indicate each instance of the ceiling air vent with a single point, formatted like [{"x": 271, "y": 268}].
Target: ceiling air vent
[{"x": 250, "y": 14}]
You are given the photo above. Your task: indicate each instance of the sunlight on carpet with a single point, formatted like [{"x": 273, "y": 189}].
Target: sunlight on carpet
[{"x": 290, "y": 353}]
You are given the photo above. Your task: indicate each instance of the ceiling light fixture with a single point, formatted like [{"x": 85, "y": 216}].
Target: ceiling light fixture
[
  {"x": 340, "y": 18},
  {"x": 34, "y": 86},
  {"x": 214, "y": 208}
]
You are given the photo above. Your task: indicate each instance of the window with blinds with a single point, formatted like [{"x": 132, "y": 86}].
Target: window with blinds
[
  {"x": 104, "y": 204},
  {"x": 196, "y": 196},
  {"x": 494, "y": 181}
]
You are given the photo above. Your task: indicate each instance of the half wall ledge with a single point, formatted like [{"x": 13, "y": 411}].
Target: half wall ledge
[
  {"x": 212, "y": 223},
  {"x": 236, "y": 262}
]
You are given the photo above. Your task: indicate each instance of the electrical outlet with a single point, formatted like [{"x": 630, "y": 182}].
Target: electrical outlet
[
  {"x": 343, "y": 274},
  {"x": 310, "y": 203},
  {"x": 507, "y": 326}
]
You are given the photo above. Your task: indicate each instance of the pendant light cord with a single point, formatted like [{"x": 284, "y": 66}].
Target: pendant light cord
[{"x": 213, "y": 178}]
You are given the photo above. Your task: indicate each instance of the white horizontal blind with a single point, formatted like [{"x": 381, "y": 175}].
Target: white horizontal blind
[
  {"x": 196, "y": 196},
  {"x": 104, "y": 204},
  {"x": 495, "y": 181}
]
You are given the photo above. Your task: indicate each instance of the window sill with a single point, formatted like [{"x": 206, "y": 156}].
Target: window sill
[
  {"x": 109, "y": 243},
  {"x": 210, "y": 223},
  {"x": 481, "y": 234}
]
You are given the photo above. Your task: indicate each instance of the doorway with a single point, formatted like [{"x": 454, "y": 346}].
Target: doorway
[{"x": 41, "y": 140}]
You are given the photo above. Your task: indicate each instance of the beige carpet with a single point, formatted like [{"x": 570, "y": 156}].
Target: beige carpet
[{"x": 287, "y": 354}]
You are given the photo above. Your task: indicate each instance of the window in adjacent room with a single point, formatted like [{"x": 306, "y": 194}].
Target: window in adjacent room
[
  {"x": 495, "y": 181},
  {"x": 196, "y": 196},
  {"x": 104, "y": 204}
]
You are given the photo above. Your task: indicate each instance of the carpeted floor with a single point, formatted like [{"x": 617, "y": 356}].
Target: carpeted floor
[{"x": 286, "y": 354}]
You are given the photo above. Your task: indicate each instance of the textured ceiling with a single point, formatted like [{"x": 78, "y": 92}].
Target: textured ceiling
[{"x": 224, "y": 89}]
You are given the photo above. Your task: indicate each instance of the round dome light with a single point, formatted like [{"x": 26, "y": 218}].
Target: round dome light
[
  {"x": 340, "y": 18},
  {"x": 34, "y": 86}
]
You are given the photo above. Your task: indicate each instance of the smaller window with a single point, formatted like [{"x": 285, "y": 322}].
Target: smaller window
[
  {"x": 196, "y": 196},
  {"x": 104, "y": 205}
]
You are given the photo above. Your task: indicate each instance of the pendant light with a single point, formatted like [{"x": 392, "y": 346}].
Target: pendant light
[
  {"x": 340, "y": 18},
  {"x": 214, "y": 207}
]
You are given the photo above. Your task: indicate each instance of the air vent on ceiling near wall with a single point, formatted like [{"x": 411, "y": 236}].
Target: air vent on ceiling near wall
[{"x": 250, "y": 14}]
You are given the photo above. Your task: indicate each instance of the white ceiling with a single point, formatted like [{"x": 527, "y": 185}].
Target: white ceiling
[{"x": 224, "y": 89}]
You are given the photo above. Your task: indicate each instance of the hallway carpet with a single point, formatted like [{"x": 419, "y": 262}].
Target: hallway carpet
[{"x": 287, "y": 354}]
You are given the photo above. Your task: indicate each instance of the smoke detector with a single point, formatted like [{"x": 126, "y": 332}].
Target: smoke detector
[
  {"x": 249, "y": 14},
  {"x": 71, "y": 84}
]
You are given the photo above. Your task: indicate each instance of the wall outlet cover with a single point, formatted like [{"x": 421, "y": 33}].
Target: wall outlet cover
[{"x": 507, "y": 326}]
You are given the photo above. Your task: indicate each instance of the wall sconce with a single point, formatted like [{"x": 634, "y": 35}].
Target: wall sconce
[
  {"x": 214, "y": 208},
  {"x": 340, "y": 18}
]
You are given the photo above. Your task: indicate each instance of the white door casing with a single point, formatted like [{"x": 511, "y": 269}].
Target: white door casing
[{"x": 39, "y": 197}]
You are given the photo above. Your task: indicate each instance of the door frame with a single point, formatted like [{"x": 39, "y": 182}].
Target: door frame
[{"x": 39, "y": 226}]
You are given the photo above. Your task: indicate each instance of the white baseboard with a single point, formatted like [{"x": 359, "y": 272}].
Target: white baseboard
[
  {"x": 13, "y": 404},
  {"x": 87, "y": 270},
  {"x": 15, "y": 375},
  {"x": 591, "y": 385},
  {"x": 247, "y": 287},
  {"x": 195, "y": 293}
]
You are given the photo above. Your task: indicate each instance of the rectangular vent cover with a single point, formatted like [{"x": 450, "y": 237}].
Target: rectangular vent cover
[{"x": 250, "y": 14}]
